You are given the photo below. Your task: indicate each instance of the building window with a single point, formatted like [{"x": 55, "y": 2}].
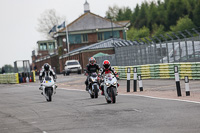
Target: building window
[
  {"x": 43, "y": 46},
  {"x": 84, "y": 38},
  {"x": 100, "y": 36},
  {"x": 51, "y": 46}
]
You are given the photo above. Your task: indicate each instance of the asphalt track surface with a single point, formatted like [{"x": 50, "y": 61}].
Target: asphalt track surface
[{"x": 24, "y": 110}]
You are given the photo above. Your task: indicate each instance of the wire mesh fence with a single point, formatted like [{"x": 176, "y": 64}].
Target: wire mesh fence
[{"x": 182, "y": 46}]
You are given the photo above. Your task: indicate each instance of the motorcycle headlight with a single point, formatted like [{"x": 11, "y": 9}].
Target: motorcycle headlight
[
  {"x": 114, "y": 83},
  {"x": 92, "y": 80},
  {"x": 107, "y": 84}
]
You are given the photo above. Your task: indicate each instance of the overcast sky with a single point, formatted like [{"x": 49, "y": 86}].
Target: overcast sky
[{"x": 18, "y": 22}]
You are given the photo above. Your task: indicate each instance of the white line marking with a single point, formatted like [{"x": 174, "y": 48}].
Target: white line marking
[
  {"x": 142, "y": 96},
  {"x": 161, "y": 98},
  {"x": 71, "y": 89}
]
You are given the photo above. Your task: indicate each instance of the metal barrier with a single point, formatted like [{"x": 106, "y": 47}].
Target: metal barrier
[
  {"x": 16, "y": 78},
  {"x": 162, "y": 71}
]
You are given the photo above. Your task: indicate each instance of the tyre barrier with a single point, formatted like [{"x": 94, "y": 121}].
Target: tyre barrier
[
  {"x": 162, "y": 71},
  {"x": 16, "y": 78}
]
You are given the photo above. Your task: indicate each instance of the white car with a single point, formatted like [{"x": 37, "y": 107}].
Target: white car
[{"x": 72, "y": 66}]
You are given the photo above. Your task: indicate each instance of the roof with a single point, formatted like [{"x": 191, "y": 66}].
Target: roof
[
  {"x": 40, "y": 41},
  {"x": 89, "y": 21},
  {"x": 100, "y": 45},
  {"x": 123, "y": 43},
  {"x": 99, "y": 54},
  {"x": 124, "y": 23}
]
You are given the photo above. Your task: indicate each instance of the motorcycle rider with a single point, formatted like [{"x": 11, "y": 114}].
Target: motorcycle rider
[
  {"x": 106, "y": 70},
  {"x": 46, "y": 71},
  {"x": 91, "y": 68}
]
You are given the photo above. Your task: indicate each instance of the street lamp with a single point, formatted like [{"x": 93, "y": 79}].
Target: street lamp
[
  {"x": 112, "y": 28},
  {"x": 62, "y": 56},
  {"x": 126, "y": 29}
]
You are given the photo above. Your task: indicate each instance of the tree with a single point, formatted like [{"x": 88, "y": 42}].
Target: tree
[
  {"x": 112, "y": 12},
  {"x": 157, "y": 30},
  {"x": 135, "y": 14},
  {"x": 196, "y": 14},
  {"x": 183, "y": 24},
  {"x": 124, "y": 14},
  {"x": 47, "y": 20},
  {"x": 8, "y": 68},
  {"x": 133, "y": 33}
]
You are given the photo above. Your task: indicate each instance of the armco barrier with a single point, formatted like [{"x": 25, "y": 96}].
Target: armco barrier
[
  {"x": 16, "y": 78},
  {"x": 162, "y": 71},
  {"x": 11, "y": 78}
]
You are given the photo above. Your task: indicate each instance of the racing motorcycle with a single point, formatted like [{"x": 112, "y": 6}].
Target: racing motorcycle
[
  {"x": 93, "y": 85},
  {"x": 48, "y": 87},
  {"x": 110, "y": 85}
]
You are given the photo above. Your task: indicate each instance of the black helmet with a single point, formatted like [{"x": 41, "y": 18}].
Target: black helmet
[
  {"x": 46, "y": 67},
  {"x": 92, "y": 61}
]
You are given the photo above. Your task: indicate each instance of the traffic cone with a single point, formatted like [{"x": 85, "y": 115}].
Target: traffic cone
[{"x": 30, "y": 80}]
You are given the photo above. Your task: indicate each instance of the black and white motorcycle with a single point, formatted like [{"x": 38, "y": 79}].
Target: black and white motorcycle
[
  {"x": 48, "y": 87},
  {"x": 110, "y": 85},
  {"x": 93, "y": 85}
]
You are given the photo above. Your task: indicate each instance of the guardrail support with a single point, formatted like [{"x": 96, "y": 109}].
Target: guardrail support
[
  {"x": 187, "y": 88},
  {"x": 135, "y": 79},
  {"x": 128, "y": 78},
  {"x": 140, "y": 82},
  {"x": 178, "y": 87}
]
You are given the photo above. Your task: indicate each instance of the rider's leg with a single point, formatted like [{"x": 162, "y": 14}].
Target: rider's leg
[{"x": 86, "y": 84}]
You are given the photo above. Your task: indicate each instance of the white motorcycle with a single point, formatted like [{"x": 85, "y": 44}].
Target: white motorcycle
[
  {"x": 110, "y": 85},
  {"x": 48, "y": 88}
]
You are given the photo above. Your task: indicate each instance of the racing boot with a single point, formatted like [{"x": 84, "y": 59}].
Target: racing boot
[
  {"x": 87, "y": 88},
  {"x": 40, "y": 88},
  {"x": 102, "y": 90}
]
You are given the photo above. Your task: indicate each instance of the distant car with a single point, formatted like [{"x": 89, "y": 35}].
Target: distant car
[{"x": 72, "y": 66}]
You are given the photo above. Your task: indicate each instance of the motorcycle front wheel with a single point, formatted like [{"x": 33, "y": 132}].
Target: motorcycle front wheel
[
  {"x": 49, "y": 94},
  {"x": 112, "y": 95},
  {"x": 95, "y": 91}
]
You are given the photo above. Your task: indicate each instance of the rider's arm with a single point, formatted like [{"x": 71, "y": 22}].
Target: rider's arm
[
  {"x": 113, "y": 71},
  {"x": 41, "y": 74},
  {"x": 103, "y": 71},
  {"x": 53, "y": 74}
]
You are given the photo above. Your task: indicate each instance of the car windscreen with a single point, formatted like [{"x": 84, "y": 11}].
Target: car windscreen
[{"x": 72, "y": 63}]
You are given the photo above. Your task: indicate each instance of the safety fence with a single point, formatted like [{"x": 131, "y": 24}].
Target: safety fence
[
  {"x": 16, "y": 78},
  {"x": 162, "y": 71}
]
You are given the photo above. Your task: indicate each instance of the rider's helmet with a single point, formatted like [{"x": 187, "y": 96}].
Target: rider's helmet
[
  {"x": 92, "y": 61},
  {"x": 46, "y": 66},
  {"x": 106, "y": 64}
]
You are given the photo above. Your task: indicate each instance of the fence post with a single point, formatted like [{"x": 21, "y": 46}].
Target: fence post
[
  {"x": 186, "y": 47},
  {"x": 135, "y": 79},
  {"x": 128, "y": 79},
  {"x": 193, "y": 47},
  {"x": 177, "y": 80},
  {"x": 187, "y": 88},
  {"x": 140, "y": 82},
  {"x": 179, "y": 45},
  {"x": 161, "y": 54}
]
